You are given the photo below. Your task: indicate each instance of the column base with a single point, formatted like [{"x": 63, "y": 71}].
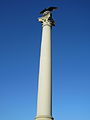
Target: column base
[{"x": 44, "y": 118}]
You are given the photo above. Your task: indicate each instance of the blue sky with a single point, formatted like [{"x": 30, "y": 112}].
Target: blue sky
[{"x": 20, "y": 39}]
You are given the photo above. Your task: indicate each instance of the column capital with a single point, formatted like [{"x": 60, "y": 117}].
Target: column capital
[{"x": 47, "y": 19}]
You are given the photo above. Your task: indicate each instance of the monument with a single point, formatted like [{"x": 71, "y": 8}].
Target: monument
[{"x": 44, "y": 101}]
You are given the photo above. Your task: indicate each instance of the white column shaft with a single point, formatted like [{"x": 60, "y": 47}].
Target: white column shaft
[{"x": 44, "y": 104}]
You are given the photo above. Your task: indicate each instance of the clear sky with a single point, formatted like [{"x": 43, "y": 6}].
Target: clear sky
[{"x": 20, "y": 38}]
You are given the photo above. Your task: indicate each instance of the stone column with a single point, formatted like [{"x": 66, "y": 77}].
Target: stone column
[{"x": 44, "y": 102}]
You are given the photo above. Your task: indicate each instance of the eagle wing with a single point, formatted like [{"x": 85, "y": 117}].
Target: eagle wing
[{"x": 48, "y": 9}]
